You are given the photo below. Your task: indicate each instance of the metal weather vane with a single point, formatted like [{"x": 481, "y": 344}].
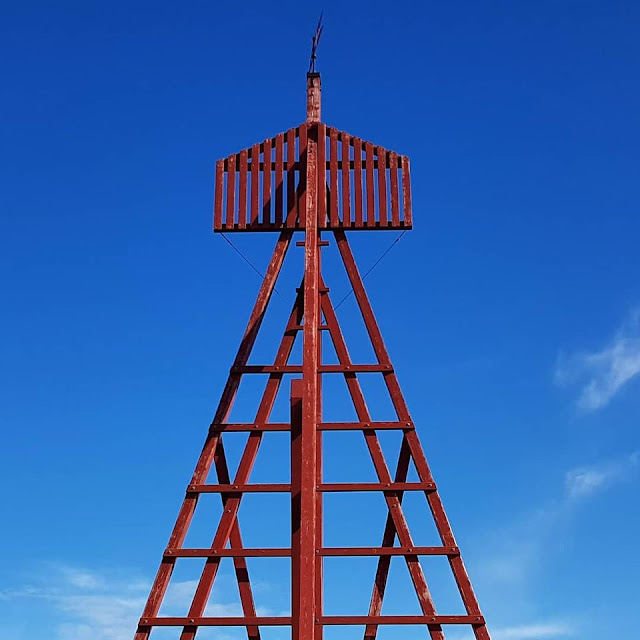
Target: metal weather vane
[{"x": 315, "y": 40}]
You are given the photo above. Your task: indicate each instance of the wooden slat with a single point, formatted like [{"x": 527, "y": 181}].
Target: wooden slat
[
  {"x": 434, "y": 619},
  {"x": 275, "y": 552},
  {"x": 195, "y": 621},
  {"x": 371, "y": 203},
  {"x": 242, "y": 193},
  {"x": 357, "y": 181},
  {"x": 322, "y": 174},
  {"x": 382, "y": 185},
  {"x": 406, "y": 191},
  {"x": 217, "y": 201},
  {"x": 383, "y": 551},
  {"x": 231, "y": 191},
  {"x": 393, "y": 183},
  {"x": 333, "y": 177},
  {"x": 346, "y": 175},
  {"x": 292, "y": 205},
  {"x": 336, "y": 487},
  {"x": 255, "y": 181},
  {"x": 239, "y": 488},
  {"x": 302, "y": 172},
  {"x": 266, "y": 184},
  {"x": 278, "y": 214}
]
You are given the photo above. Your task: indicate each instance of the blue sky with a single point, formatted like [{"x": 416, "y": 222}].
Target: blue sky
[{"x": 511, "y": 312}]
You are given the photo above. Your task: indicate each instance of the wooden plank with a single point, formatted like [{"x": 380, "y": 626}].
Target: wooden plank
[
  {"x": 346, "y": 175},
  {"x": 357, "y": 181},
  {"x": 393, "y": 181},
  {"x": 255, "y": 182},
  {"x": 275, "y": 552},
  {"x": 231, "y": 191},
  {"x": 333, "y": 177},
  {"x": 192, "y": 622},
  {"x": 217, "y": 201},
  {"x": 371, "y": 197},
  {"x": 266, "y": 185},
  {"x": 384, "y": 551},
  {"x": 302, "y": 175},
  {"x": 278, "y": 213},
  {"x": 242, "y": 192},
  {"x": 322, "y": 174},
  {"x": 292, "y": 204},
  {"x": 382, "y": 186},
  {"x": 406, "y": 191},
  {"x": 238, "y": 488}
]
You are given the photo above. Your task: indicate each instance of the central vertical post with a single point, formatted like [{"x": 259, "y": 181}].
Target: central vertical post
[{"x": 304, "y": 446}]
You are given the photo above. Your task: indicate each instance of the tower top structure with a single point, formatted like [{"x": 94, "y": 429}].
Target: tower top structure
[{"x": 362, "y": 186}]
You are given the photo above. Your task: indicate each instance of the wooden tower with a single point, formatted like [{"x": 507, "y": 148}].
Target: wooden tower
[{"x": 311, "y": 180}]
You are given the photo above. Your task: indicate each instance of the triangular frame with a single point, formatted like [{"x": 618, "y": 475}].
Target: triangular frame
[{"x": 227, "y": 541}]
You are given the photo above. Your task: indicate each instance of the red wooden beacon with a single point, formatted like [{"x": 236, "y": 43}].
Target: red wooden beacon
[{"x": 312, "y": 179}]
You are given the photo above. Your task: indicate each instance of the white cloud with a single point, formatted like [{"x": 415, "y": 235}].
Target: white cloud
[
  {"x": 602, "y": 373},
  {"x": 586, "y": 481},
  {"x": 91, "y": 606},
  {"x": 534, "y": 631},
  {"x": 522, "y": 542}
]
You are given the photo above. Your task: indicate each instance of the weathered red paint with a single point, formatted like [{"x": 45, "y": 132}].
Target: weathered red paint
[{"x": 367, "y": 188}]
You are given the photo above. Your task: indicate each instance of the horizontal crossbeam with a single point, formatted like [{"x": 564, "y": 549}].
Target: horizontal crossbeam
[
  {"x": 327, "y": 487},
  {"x": 377, "y": 486},
  {"x": 228, "y": 553},
  {"x": 388, "y": 551},
  {"x": 351, "y": 620},
  {"x": 322, "y": 426},
  {"x": 282, "y": 621},
  {"x": 325, "y": 368},
  {"x": 325, "y": 552},
  {"x": 266, "y": 621}
]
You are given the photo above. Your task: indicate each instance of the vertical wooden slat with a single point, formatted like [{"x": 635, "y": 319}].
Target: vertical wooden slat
[
  {"x": 393, "y": 183},
  {"x": 321, "y": 130},
  {"x": 266, "y": 184},
  {"x": 357, "y": 180},
  {"x": 406, "y": 191},
  {"x": 333, "y": 177},
  {"x": 242, "y": 192},
  {"x": 346, "y": 183},
  {"x": 371, "y": 204},
  {"x": 301, "y": 191},
  {"x": 278, "y": 215},
  {"x": 255, "y": 178},
  {"x": 217, "y": 200},
  {"x": 231, "y": 191},
  {"x": 292, "y": 205},
  {"x": 382, "y": 185}
]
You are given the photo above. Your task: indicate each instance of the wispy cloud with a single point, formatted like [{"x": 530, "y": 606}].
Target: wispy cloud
[
  {"x": 583, "y": 482},
  {"x": 90, "y": 606},
  {"x": 523, "y": 542},
  {"x": 535, "y": 631},
  {"x": 602, "y": 373}
]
